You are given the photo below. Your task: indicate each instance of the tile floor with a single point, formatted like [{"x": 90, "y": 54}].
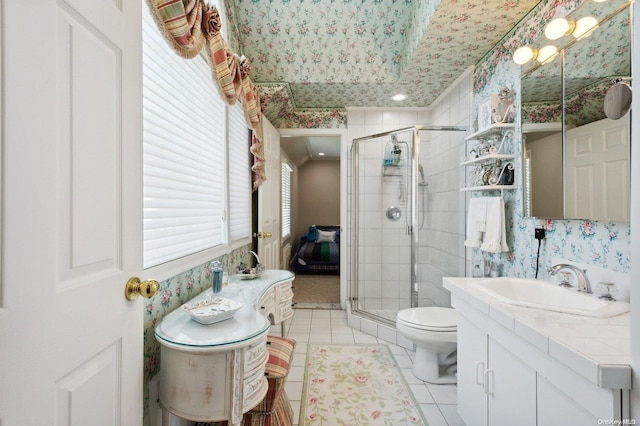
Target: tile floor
[{"x": 438, "y": 402}]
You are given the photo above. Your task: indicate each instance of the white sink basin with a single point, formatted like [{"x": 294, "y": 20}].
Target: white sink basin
[{"x": 544, "y": 295}]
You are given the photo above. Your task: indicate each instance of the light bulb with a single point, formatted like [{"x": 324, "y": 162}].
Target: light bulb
[
  {"x": 584, "y": 27},
  {"x": 559, "y": 27},
  {"x": 546, "y": 54},
  {"x": 524, "y": 54}
]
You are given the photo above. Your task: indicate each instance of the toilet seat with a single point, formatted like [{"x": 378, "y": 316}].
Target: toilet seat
[{"x": 429, "y": 318}]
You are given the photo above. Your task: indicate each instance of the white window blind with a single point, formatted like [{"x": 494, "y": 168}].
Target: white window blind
[
  {"x": 183, "y": 152},
  {"x": 286, "y": 200},
  {"x": 239, "y": 175}
]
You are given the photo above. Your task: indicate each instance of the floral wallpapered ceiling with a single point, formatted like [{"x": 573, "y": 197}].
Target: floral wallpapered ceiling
[{"x": 324, "y": 55}]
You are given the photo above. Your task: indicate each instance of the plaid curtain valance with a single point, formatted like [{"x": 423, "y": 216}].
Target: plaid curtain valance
[{"x": 191, "y": 25}]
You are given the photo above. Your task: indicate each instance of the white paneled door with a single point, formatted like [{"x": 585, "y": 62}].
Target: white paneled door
[
  {"x": 70, "y": 343},
  {"x": 597, "y": 170},
  {"x": 269, "y": 199}
]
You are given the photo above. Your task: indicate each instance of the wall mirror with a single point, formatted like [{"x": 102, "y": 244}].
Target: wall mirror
[{"x": 576, "y": 161}]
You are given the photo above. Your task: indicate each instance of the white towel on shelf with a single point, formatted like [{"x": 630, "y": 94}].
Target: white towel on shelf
[
  {"x": 476, "y": 221},
  {"x": 495, "y": 237}
]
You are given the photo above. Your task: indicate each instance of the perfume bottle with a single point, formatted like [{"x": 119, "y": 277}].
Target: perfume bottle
[
  {"x": 216, "y": 276},
  {"x": 503, "y": 109}
]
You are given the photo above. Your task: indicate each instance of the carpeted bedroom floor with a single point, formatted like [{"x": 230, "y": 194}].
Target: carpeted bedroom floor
[{"x": 316, "y": 291}]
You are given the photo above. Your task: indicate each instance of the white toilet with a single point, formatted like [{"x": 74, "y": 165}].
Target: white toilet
[{"x": 434, "y": 331}]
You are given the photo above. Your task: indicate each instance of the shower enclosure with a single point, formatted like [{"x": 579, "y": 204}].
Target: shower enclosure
[{"x": 406, "y": 219}]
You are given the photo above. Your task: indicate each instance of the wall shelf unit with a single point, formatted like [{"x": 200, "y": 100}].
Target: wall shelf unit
[
  {"x": 488, "y": 158},
  {"x": 490, "y": 155},
  {"x": 495, "y": 129},
  {"x": 487, "y": 188}
]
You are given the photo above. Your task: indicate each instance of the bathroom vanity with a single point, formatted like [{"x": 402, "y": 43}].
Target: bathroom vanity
[
  {"x": 525, "y": 366},
  {"x": 216, "y": 372}
]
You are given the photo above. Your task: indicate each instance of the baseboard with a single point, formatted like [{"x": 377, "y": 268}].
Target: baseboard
[{"x": 317, "y": 306}]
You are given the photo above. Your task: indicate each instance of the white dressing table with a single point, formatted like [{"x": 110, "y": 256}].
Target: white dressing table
[{"x": 216, "y": 372}]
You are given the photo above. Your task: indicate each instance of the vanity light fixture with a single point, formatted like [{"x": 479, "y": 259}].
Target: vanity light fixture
[
  {"x": 399, "y": 97},
  {"x": 546, "y": 54},
  {"x": 584, "y": 27},
  {"x": 579, "y": 29},
  {"x": 524, "y": 54},
  {"x": 559, "y": 27}
]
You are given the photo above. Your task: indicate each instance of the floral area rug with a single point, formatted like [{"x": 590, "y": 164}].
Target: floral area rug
[{"x": 356, "y": 385}]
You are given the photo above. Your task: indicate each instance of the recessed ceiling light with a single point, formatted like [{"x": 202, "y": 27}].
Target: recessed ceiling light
[
  {"x": 321, "y": 153},
  {"x": 399, "y": 97}
]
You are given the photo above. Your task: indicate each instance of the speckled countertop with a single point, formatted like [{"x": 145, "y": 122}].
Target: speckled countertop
[{"x": 597, "y": 348}]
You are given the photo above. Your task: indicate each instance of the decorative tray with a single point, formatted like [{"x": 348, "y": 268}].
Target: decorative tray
[
  {"x": 210, "y": 311},
  {"x": 250, "y": 273}
]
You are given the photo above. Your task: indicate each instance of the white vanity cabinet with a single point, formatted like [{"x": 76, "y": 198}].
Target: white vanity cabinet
[
  {"x": 494, "y": 387},
  {"x": 510, "y": 372},
  {"x": 276, "y": 303},
  {"x": 215, "y": 382},
  {"x": 284, "y": 296},
  {"x": 216, "y": 372},
  {"x": 552, "y": 401}
]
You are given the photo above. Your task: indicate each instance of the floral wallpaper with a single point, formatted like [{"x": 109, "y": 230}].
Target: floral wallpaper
[
  {"x": 585, "y": 106},
  {"x": 604, "y": 244},
  {"x": 276, "y": 102},
  {"x": 337, "y": 53},
  {"x": 423, "y": 12},
  {"x": 541, "y": 112},
  {"x": 173, "y": 293}
]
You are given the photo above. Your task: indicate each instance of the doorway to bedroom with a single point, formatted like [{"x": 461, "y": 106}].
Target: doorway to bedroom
[{"x": 311, "y": 167}]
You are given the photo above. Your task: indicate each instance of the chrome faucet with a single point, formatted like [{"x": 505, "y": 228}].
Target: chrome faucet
[{"x": 583, "y": 282}]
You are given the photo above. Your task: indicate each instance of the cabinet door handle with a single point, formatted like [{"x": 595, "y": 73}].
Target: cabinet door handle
[
  {"x": 487, "y": 386},
  {"x": 481, "y": 365}
]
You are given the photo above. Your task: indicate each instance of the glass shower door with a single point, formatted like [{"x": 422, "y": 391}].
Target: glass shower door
[
  {"x": 382, "y": 220},
  {"x": 407, "y": 221}
]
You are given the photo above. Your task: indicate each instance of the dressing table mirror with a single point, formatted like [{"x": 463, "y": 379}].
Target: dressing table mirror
[{"x": 576, "y": 160}]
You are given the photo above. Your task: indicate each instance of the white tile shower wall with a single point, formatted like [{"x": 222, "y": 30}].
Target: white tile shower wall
[
  {"x": 443, "y": 200},
  {"x": 441, "y": 251},
  {"x": 382, "y": 290}
]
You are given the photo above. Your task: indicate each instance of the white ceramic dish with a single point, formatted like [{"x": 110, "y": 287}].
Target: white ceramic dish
[
  {"x": 210, "y": 311},
  {"x": 250, "y": 276}
]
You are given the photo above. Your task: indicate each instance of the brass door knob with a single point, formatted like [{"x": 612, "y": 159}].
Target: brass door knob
[
  {"x": 263, "y": 234},
  {"x": 135, "y": 288}
]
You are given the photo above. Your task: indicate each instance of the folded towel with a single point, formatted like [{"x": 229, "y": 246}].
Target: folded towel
[
  {"x": 476, "y": 221},
  {"x": 495, "y": 237}
]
